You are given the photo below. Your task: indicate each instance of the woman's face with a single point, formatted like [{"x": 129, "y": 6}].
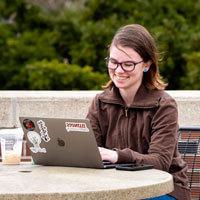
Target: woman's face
[{"x": 122, "y": 79}]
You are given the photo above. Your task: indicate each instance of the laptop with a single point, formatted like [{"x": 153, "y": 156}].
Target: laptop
[{"x": 62, "y": 142}]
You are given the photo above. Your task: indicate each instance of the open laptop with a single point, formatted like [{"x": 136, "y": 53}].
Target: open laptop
[{"x": 62, "y": 142}]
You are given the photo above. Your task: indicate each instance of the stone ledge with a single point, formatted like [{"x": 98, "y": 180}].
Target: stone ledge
[{"x": 74, "y": 104}]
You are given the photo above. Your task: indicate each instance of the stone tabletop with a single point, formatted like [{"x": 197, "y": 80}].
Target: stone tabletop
[{"x": 27, "y": 181}]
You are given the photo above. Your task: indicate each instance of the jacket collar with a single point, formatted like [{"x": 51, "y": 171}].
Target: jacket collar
[{"x": 144, "y": 97}]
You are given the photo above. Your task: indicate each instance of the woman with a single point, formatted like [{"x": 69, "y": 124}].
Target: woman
[{"x": 134, "y": 119}]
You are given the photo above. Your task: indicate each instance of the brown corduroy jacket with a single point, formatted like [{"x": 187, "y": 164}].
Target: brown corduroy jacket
[{"x": 144, "y": 133}]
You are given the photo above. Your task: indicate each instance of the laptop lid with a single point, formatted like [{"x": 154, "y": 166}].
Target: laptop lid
[{"x": 61, "y": 142}]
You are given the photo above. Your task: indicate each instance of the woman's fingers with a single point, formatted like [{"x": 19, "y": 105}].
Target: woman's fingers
[{"x": 108, "y": 155}]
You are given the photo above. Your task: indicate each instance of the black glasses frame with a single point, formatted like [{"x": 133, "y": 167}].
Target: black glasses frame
[{"x": 121, "y": 64}]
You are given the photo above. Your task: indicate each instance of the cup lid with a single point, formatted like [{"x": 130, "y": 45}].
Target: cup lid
[{"x": 10, "y": 132}]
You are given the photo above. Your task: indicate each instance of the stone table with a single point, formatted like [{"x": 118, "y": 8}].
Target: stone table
[{"x": 27, "y": 181}]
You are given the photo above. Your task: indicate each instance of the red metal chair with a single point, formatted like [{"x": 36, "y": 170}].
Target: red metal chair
[{"x": 189, "y": 147}]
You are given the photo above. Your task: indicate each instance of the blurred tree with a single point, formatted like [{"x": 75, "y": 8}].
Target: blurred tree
[
  {"x": 80, "y": 36},
  {"x": 192, "y": 78},
  {"x": 53, "y": 75}
]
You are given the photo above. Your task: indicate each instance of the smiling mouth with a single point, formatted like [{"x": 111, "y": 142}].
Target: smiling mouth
[{"x": 121, "y": 78}]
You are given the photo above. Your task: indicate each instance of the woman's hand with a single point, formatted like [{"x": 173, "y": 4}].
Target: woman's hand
[{"x": 108, "y": 155}]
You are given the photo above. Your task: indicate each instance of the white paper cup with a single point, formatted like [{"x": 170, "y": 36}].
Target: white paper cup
[{"x": 11, "y": 145}]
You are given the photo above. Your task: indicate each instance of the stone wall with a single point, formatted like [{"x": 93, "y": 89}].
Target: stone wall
[{"x": 74, "y": 104}]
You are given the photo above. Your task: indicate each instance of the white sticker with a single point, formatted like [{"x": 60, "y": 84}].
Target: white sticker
[
  {"x": 75, "y": 126},
  {"x": 43, "y": 130},
  {"x": 35, "y": 139}
]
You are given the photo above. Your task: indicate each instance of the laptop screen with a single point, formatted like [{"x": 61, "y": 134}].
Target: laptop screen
[{"x": 61, "y": 142}]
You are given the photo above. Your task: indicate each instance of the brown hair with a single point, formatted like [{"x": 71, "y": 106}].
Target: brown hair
[{"x": 138, "y": 38}]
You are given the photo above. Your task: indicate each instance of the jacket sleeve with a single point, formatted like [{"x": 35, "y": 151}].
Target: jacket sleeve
[
  {"x": 92, "y": 115},
  {"x": 164, "y": 137}
]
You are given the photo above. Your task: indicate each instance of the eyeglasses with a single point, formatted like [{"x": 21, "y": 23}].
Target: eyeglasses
[{"x": 127, "y": 66}]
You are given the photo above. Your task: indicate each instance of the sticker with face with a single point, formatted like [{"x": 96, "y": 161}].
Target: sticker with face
[
  {"x": 35, "y": 139},
  {"x": 74, "y": 126},
  {"x": 29, "y": 125},
  {"x": 43, "y": 131}
]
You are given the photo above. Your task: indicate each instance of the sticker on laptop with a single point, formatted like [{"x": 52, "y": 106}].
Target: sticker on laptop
[
  {"x": 76, "y": 126},
  {"x": 43, "y": 130},
  {"x": 28, "y": 124},
  {"x": 35, "y": 139}
]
